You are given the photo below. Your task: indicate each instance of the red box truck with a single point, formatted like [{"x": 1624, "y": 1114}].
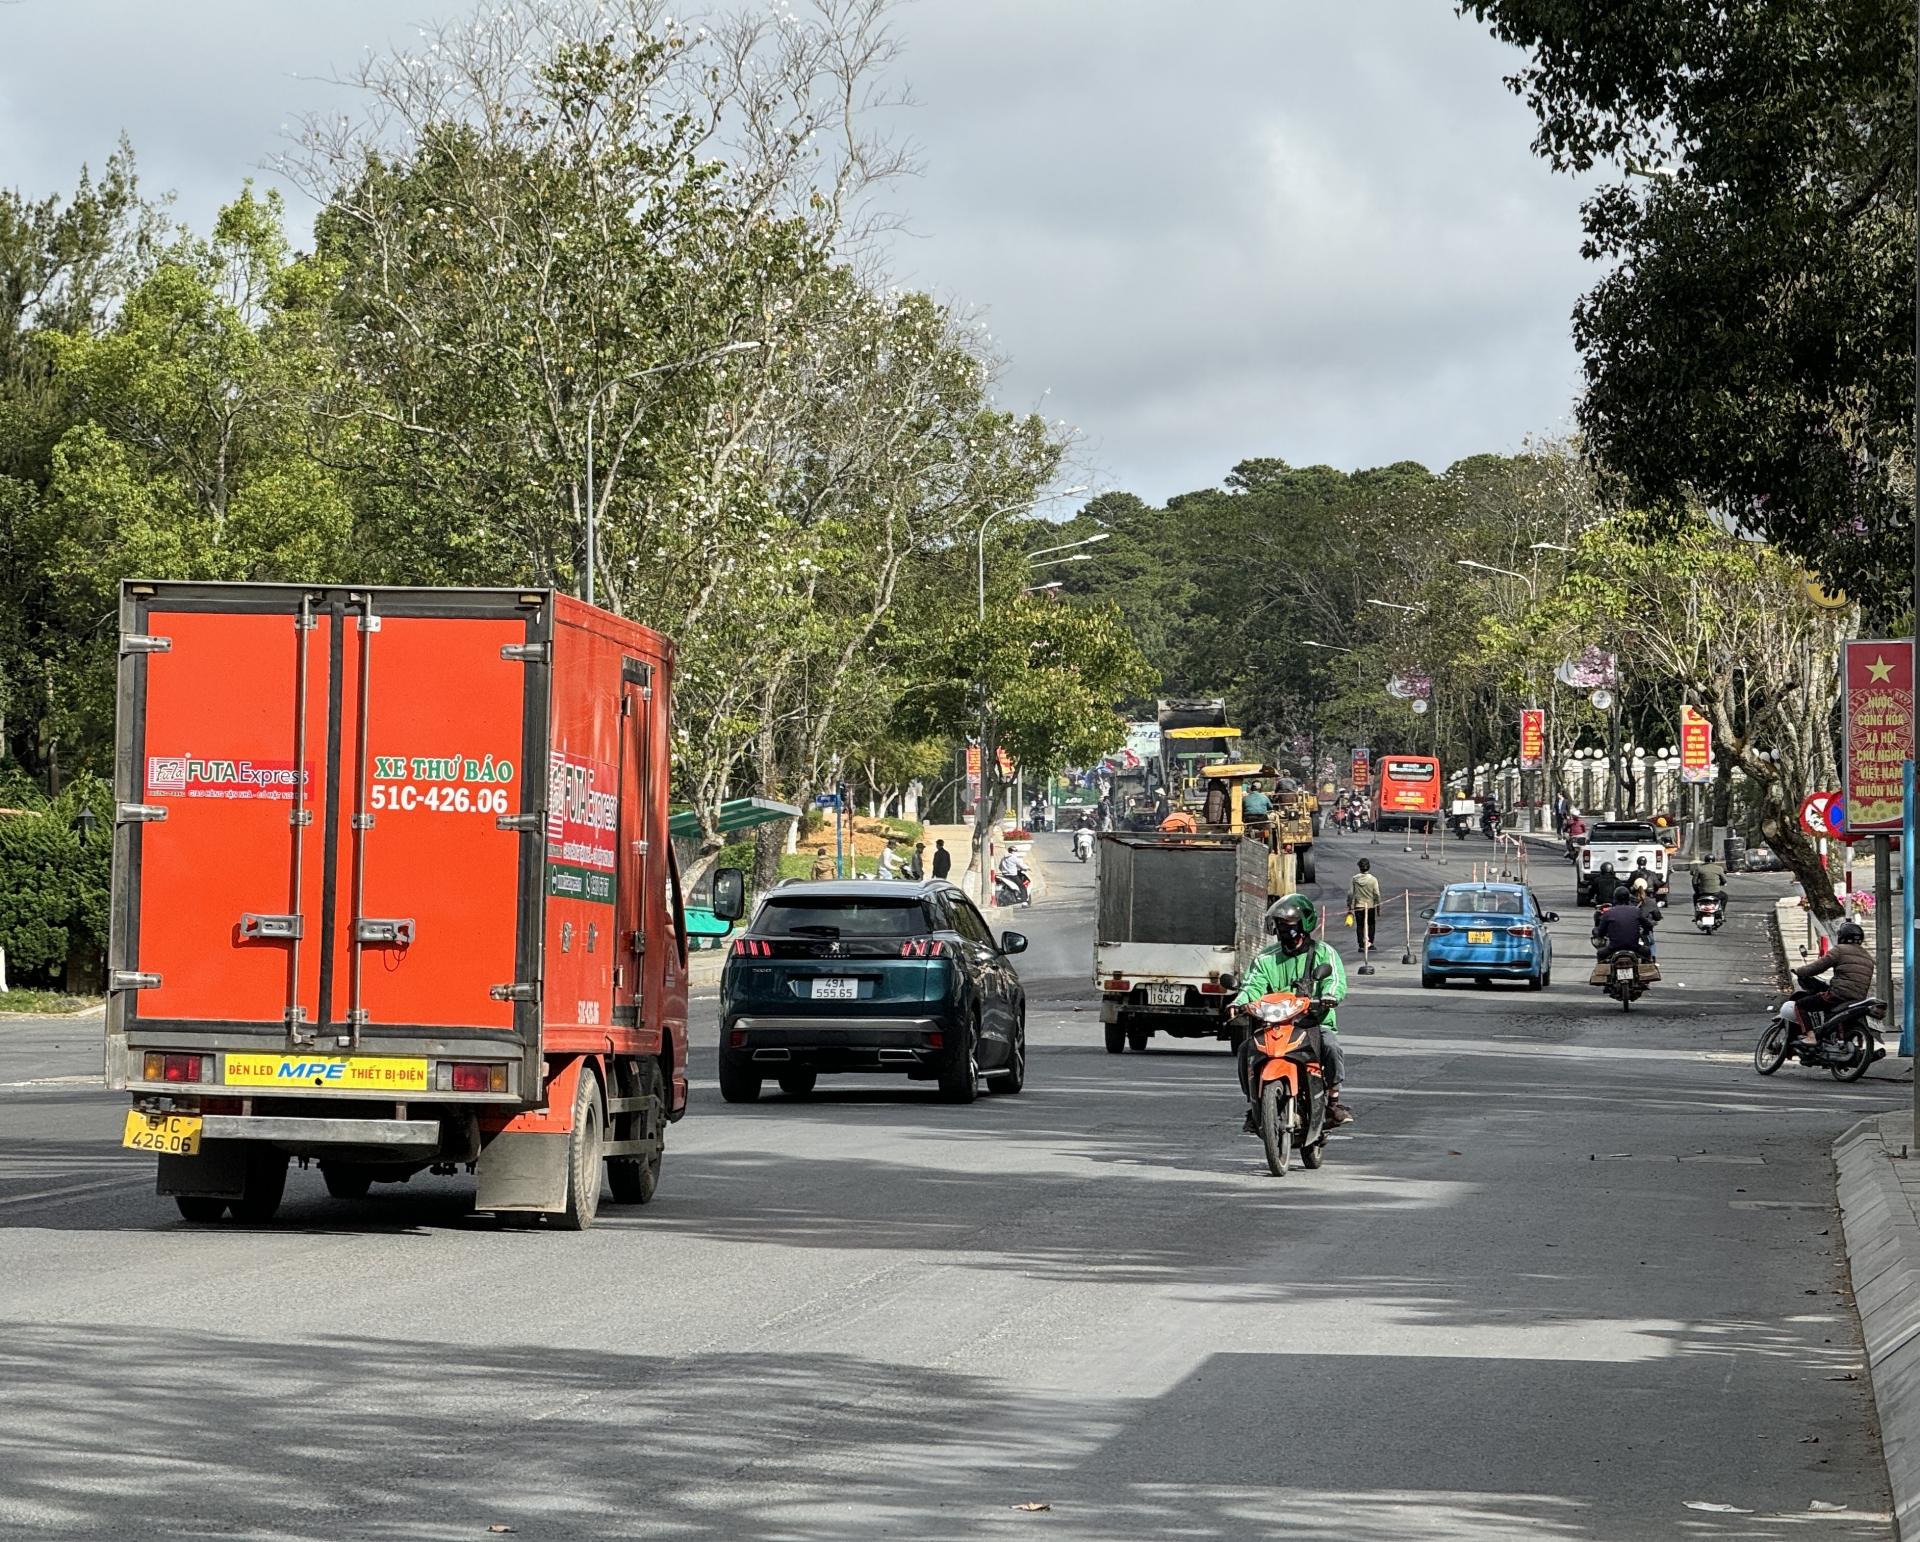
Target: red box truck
[{"x": 392, "y": 890}]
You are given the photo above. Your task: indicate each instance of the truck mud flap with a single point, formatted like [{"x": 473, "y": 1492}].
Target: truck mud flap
[
  {"x": 219, "y": 1171},
  {"x": 522, "y": 1170}
]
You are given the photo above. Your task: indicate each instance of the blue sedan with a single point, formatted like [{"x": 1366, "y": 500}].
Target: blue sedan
[{"x": 1487, "y": 931}]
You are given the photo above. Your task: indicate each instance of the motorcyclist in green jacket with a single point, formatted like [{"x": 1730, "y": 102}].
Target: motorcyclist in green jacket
[{"x": 1288, "y": 965}]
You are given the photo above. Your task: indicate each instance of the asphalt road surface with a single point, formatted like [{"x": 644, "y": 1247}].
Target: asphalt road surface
[{"x": 1571, "y": 1274}]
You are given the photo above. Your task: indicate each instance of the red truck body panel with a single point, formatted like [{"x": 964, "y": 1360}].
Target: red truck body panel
[{"x": 404, "y": 823}]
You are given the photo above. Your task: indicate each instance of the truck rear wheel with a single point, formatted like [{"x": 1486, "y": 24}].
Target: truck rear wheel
[
  {"x": 635, "y": 1179},
  {"x": 1116, "y": 1038},
  {"x": 584, "y": 1162},
  {"x": 1137, "y": 1039},
  {"x": 346, "y": 1180},
  {"x": 1306, "y": 865},
  {"x": 264, "y": 1184},
  {"x": 199, "y": 1209}
]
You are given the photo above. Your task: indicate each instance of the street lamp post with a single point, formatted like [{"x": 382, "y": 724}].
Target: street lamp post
[
  {"x": 593, "y": 406},
  {"x": 980, "y": 554}
]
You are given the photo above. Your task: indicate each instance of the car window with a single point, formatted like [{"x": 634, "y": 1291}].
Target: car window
[
  {"x": 968, "y": 924},
  {"x": 815, "y": 916},
  {"x": 1631, "y": 835},
  {"x": 1482, "y": 902}
]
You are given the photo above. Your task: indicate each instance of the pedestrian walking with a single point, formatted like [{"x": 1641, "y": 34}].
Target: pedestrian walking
[
  {"x": 823, "y": 868},
  {"x": 1560, "y": 807},
  {"x": 942, "y": 860},
  {"x": 1363, "y": 906},
  {"x": 916, "y": 865}
]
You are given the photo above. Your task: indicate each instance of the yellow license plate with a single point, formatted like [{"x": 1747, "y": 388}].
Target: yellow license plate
[
  {"x": 1479, "y": 936},
  {"x": 174, "y": 1134},
  {"x": 327, "y": 1073}
]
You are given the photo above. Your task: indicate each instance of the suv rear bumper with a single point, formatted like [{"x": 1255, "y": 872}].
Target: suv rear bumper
[{"x": 771, "y": 1044}]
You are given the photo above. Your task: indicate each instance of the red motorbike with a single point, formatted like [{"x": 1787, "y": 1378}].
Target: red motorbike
[{"x": 1280, "y": 1073}]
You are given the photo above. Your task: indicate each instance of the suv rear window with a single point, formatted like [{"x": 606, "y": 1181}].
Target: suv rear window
[
  {"x": 1636, "y": 835},
  {"x": 814, "y": 917}
]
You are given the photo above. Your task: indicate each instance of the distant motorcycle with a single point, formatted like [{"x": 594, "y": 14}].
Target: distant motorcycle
[
  {"x": 1461, "y": 825},
  {"x": 1083, "y": 843},
  {"x": 1011, "y": 891},
  {"x": 1709, "y": 911},
  {"x": 1846, "y": 1042},
  {"x": 1626, "y": 980},
  {"x": 1490, "y": 824}
]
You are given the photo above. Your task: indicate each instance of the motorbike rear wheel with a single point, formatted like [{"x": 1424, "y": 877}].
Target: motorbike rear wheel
[
  {"x": 1274, "y": 1134},
  {"x": 1771, "y": 1052},
  {"x": 1312, "y": 1156},
  {"x": 1862, "y": 1047}
]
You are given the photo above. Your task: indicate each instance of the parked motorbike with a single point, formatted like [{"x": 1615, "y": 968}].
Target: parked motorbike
[
  {"x": 1627, "y": 977},
  {"x": 1008, "y": 891},
  {"x": 1280, "y": 1073},
  {"x": 1846, "y": 1041},
  {"x": 1709, "y": 911}
]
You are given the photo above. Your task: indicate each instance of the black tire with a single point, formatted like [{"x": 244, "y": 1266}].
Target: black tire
[
  {"x": 1312, "y": 1156},
  {"x": 1771, "y": 1052},
  {"x": 1626, "y": 998},
  {"x": 1116, "y": 1038},
  {"x": 1306, "y": 866},
  {"x": 263, "y": 1186},
  {"x": 798, "y": 1084},
  {"x": 1546, "y": 980},
  {"x": 1430, "y": 981},
  {"x": 738, "y": 1084},
  {"x": 960, "y": 1082},
  {"x": 346, "y": 1180},
  {"x": 634, "y": 1180},
  {"x": 1857, "y": 1037},
  {"x": 585, "y": 1165},
  {"x": 1274, "y": 1134},
  {"x": 1014, "y": 1076},
  {"x": 199, "y": 1209},
  {"x": 1137, "y": 1039}
]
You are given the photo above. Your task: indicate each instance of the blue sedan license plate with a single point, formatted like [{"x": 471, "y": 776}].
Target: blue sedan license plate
[{"x": 1479, "y": 936}]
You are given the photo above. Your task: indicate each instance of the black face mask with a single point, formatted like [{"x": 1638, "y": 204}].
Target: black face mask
[{"x": 1291, "y": 937}]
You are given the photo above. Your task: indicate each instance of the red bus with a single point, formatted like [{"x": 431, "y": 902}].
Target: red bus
[{"x": 1406, "y": 793}]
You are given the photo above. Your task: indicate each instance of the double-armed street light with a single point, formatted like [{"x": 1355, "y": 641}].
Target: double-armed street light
[
  {"x": 980, "y": 540},
  {"x": 594, "y": 405}
]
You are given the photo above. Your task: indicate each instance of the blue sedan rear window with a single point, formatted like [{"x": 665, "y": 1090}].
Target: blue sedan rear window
[
  {"x": 810, "y": 917},
  {"x": 1482, "y": 902}
]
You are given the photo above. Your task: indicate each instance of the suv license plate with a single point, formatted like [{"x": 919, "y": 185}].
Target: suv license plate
[
  {"x": 836, "y": 989},
  {"x": 1166, "y": 995}
]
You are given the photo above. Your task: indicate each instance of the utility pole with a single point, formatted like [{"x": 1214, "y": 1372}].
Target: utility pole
[{"x": 1908, "y": 832}]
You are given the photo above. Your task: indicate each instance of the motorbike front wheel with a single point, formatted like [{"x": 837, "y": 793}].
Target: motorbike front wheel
[
  {"x": 1274, "y": 1134},
  {"x": 1771, "y": 1052},
  {"x": 1861, "y": 1048}
]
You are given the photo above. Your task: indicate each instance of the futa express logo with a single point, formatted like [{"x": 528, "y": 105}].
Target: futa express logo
[{"x": 192, "y": 776}]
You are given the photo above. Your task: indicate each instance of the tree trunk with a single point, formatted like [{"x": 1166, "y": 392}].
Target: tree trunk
[
  {"x": 769, "y": 846},
  {"x": 1797, "y": 849}
]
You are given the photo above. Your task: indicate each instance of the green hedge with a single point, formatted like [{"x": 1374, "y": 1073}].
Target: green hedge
[{"x": 53, "y": 888}]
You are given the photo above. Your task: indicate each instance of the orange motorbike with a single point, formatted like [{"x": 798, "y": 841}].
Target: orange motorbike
[{"x": 1280, "y": 1073}]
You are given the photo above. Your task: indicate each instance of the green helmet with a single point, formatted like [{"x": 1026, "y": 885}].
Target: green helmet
[{"x": 1297, "y": 914}]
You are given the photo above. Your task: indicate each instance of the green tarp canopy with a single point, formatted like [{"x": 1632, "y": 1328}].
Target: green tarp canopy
[{"x": 735, "y": 814}]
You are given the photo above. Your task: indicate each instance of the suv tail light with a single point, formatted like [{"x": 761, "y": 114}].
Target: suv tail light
[
  {"x": 751, "y": 947},
  {"x": 923, "y": 947},
  {"x": 161, "y": 1067}
]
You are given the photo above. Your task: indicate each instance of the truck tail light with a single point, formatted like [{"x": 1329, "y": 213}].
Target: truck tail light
[
  {"x": 1519, "y": 931},
  {"x": 479, "y": 1076},
  {"x": 923, "y": 947},
  {"x": 161, "y": 1067},
  {"x": 1435, "y": 929},
  {"x": 1117, "y": 986},
  {"x": 1212, "y": 988}
]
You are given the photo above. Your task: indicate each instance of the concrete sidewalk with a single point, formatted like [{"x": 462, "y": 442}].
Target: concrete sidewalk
[{"x": 1877, "y": 1170}]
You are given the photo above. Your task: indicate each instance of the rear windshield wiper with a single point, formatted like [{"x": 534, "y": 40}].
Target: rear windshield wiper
[{"x": 815, "y": 931}]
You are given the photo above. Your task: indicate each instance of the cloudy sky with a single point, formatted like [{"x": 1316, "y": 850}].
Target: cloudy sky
[{"x": 1199, "y": 233}]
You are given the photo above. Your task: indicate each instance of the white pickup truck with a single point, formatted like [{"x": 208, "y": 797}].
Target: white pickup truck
[{"x": 1611, "y": 853}]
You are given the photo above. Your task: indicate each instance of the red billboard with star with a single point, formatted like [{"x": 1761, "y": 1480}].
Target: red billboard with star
[{"x": 1878, "y": 736}]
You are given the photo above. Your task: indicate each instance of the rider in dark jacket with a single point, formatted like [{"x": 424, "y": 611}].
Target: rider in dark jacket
[
  {"x": 1852, "y": 967},
  {"x": 1623, "y": 925}
]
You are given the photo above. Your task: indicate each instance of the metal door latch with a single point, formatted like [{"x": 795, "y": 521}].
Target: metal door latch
[
  {"x": 135, "y": 642},
  {"x": 516, "y": 992},
  {"x": 138, "y": 813},
  {"x": 370, "y": 929},
  {"x": 272, "y": 928},
  {"x": 524, "y": 653},
  {"x": 526, "y": 824},
  {"x": 133, "y": 980}
]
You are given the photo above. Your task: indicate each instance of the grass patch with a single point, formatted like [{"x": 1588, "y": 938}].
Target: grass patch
[{"x": 44, "y": 1003}]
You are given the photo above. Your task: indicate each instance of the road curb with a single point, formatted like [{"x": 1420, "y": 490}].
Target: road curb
[{"x": 1882, "y": 1240}]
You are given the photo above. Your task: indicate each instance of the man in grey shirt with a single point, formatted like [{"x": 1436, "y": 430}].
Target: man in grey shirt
[{"x": 1363, "y": 904}]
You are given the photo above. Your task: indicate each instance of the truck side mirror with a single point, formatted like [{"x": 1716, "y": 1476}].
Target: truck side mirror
[{"x": 729, "y": 893}]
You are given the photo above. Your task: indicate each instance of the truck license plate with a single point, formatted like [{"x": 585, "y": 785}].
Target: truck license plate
[
  {"x": 1479, "y": 936},
  {"x": 174, "y": 1134},
  {"x": 1166, "y": 995},
  {"x": 831, "y": 989}
]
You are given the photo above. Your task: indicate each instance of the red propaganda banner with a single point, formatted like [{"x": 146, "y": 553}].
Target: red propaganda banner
[
  {"x": 1362, "y": 770},
  {"x": 1533, "y": 738},
  {"x": 1878, "y": 737},
  {"x": 1696, "y": 746}
]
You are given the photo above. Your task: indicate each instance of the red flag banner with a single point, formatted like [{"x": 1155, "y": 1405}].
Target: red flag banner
[
  {"x": 1533, "y": 738},
  {"x": 1362, "y": 771},
  {"x": 1696, "y": 746},
  {"x": 1878, "y": 737}
]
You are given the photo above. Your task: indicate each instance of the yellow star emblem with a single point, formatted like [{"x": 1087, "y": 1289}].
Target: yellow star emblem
[{"x": 1880, "y": 669}]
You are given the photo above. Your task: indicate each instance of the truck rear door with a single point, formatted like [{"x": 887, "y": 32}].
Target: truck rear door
[{"x": 321, "y": 842}]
